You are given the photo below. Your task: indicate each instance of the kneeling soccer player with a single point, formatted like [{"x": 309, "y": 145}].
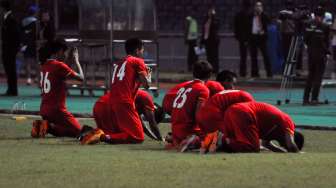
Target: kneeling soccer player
[
  {"x": 248, "y": 123},
  {"x": 144, "y": 105},
  {"x": 127, "y": 76},
  {"x": 54, "y": 72}
]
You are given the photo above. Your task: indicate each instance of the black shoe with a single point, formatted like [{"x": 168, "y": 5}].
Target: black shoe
[{"x": 305, "y": 103}]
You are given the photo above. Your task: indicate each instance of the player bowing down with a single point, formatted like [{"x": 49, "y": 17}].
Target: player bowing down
[
  {"x": 125, "y": 125},
  {"x": 54, "y": 72},
  {"x": 144, "y": 105},
  {"x": 248, "y": 123}
]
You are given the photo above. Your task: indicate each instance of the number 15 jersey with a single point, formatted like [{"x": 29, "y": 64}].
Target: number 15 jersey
[
  {"x": 185, "y": 102},
  {"x": 125, "y": 79}
]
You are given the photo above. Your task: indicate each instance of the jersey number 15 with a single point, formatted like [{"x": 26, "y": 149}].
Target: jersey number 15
[{"x": 181, "y": 94}]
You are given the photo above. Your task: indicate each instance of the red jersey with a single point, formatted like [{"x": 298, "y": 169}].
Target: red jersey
[
  {"x": 125, "y": 82},
  {"x": 211, "y": 115},
  {"x": 226, "y": 98},
  {"x": 168, "y": 99},
  {"x": 53, "y": 86},
  {"x": 271, "y": 120},
  {"x": 214, "y": 87},
  {"x": 185, "y": 102},
  {"x": 143, "y": 101}
]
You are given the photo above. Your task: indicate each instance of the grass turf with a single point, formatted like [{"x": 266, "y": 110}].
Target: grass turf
[{"x": 62, "y": 162}]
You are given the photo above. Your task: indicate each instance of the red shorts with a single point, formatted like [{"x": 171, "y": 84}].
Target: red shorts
[
  {"x": 64, "y": 124},
  {"x": 120, "y": 121},
  {"x": 241, "y": 129},
  {"x": 209, "y": 119}
]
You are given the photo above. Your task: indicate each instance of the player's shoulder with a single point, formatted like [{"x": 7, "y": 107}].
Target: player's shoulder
[
  {"x": 212, "y": 83},
  {"x": 133, "y": 59}
]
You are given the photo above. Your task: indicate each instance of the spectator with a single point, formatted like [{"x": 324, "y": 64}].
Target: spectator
[
  {"x": 210, "y": 38},
  {"x": 47, "y": 28},
  {"x": 317, "y": 39},
  {"x": 258, "y": 37},
  {"x": 241, "y": 25},
  {"x": 333, "y": 44},
  {"x": 29, "y": 37},
  {"x": 191, "y": 35},
  {"x": 10, "y": 46}
]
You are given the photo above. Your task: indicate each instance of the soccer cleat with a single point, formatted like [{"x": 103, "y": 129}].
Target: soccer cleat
[
  {"x": 84, "y": 131},
  {"x": 93, "y": 137},
  {"x": 35, "y": 129},
  {"x": 209, "y": 143},
  {"x": 43, "y": 128},
  {"x": 39, "y": 129}
]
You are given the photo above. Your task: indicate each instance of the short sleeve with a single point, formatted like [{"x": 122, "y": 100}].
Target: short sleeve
[
  {"x": 140, "y": 66},
  {"x": 203, "y": 94},
  {"x": 65, "y": 71}
]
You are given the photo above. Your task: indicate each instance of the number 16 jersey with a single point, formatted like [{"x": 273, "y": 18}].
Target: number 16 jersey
[
  {"x": 53, "y": 86},
  {"x": 125, "y": 79}
]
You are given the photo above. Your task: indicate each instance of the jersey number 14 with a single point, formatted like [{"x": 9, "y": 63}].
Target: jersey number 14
[{"x": 118, "y": 74}]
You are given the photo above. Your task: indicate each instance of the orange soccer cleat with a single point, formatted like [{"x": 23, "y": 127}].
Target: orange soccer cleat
[
  {"x": 93, "y": 137},
  {"x": 39, "y": 129},
  {"x": 209, "y": 143}
]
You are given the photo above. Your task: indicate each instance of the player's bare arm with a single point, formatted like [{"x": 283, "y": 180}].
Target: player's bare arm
[
  {"x": 144, "y": 81},
  {"x": 150, "y": 117},
  {"x": 289, "y": 143},
  {"x": 75, "y": 59},
  {"x": 272, "y": 147}
]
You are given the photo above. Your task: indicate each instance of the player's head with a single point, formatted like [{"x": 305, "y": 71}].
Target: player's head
[
  {"x": 135, "y": 47},
  {"x": 298, "y": 139},
  {"x": 227, "y": 78},
  {"x": 158, "y": 113},
  {"x": 202, "y": 70},
  {"x": 6, "y": 5},
  {"x": 58, "y": 49}
]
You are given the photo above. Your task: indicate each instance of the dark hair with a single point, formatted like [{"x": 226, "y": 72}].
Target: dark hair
[
  {"x": 226, "y": 76},
  {"x": 158, "y": 113},
  {"x": 202, "y": 70},
  {"x": 132, "y": 45},
  {"x": 57, "y": 45},
  {"x": 299, "y": 139}
]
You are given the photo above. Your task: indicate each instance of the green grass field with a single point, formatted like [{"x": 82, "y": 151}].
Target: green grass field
[{"x": 62, "y": 162}]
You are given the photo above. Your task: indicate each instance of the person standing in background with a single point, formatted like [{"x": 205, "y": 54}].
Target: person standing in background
[
  {"x": 241, "y": 25},
  {"x": 317, "y": 39},
  {"x": 258, "y": 39},
  {"x": 210, "y": 38},
  {"x": 29, "y": 37},
  {"x": 47, "y": 28},
  {"x": 191, "y": 35},
  {"x": 10, "y": 47}
]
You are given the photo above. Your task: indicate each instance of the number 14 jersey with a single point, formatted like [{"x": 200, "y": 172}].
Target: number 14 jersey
[{"x": 125, "y": 79}]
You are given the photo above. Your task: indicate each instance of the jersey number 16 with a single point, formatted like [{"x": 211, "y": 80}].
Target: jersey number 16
[{"x": 45, "y": 83}]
